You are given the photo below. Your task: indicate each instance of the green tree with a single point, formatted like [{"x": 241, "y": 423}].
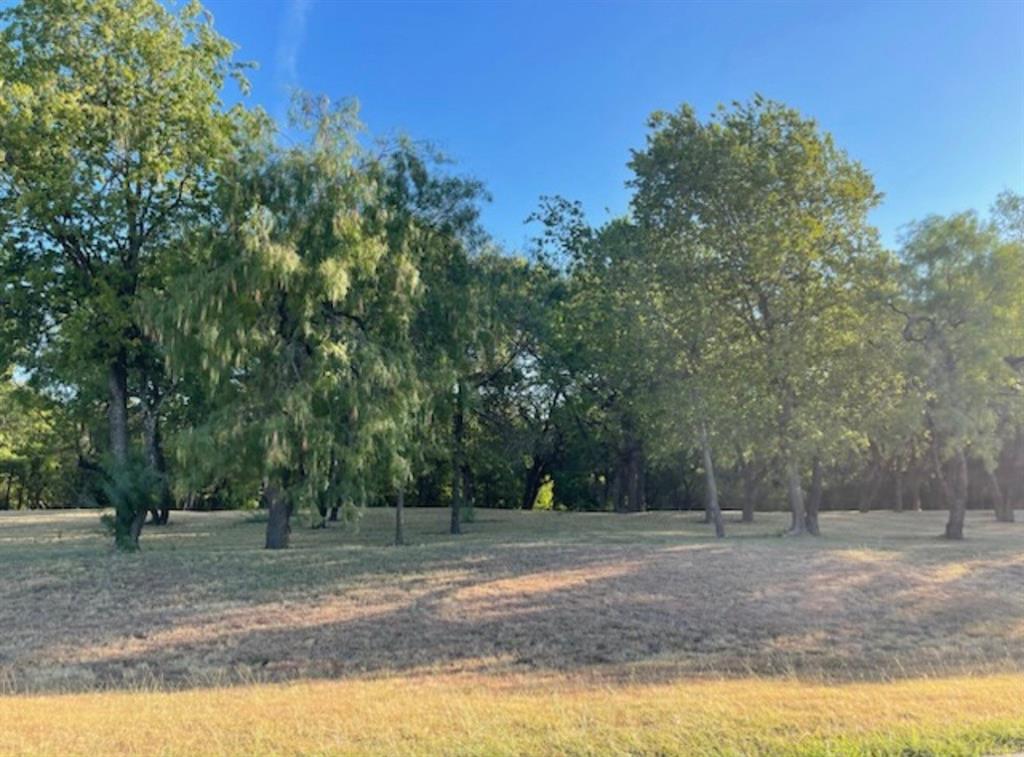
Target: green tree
[
  {"x": 433, "y": 216},
  {"x": 37, "y": 448},
  {"x": 781, "y": 213},
  {"x": 296, "y": 308},
  {"x": 111, "y": 133},
  {"x": 493, "y": 345},
  {"x": 1008, "y": 217},
  {"x": 961, "y": 309},
  {"x": 690, "y": 339},
  {"x": 518, "y": 416}
]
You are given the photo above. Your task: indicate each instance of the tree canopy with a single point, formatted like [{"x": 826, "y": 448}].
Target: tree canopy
[{"x": 199, "y": 311}]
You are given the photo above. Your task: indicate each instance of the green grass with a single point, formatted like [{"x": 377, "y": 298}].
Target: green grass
[{"x": 532, "y": 633}]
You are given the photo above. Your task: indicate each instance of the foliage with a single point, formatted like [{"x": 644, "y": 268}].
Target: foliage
[
  {"x": 318, "y": 323},
  {"x": 37, "y": 449},
  {"x": 112, "y": 132},
  {"x": 773, "y": 217},
  {"x": 132, "y": 489}
]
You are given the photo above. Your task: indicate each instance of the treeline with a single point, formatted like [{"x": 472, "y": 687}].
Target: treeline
[{"x": 198, "y": 312}]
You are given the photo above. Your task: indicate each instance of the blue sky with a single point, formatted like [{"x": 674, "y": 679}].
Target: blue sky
[{"x": 549, "y": 98}]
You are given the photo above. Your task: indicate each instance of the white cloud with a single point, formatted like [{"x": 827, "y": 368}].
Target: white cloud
[{"x": 289, "y": 43}]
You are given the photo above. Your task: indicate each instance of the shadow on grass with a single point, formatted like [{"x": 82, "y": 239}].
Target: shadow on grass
[{"x": 647, "y": 597}]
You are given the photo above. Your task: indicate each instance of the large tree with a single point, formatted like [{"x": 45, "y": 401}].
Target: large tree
[
  {"x": 781, "y": 213},
  {"x": 296, "y": 308},
  {"x": 112, "y": 129},
  {"x": 433, "y": 216}
]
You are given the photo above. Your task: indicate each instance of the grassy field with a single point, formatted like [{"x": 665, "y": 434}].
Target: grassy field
[{"x": 532, "y": 633}]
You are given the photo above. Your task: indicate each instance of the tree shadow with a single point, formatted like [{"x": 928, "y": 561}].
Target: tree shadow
[{"x": 658, "y": 610}]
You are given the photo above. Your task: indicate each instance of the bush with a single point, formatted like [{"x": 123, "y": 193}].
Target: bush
[{"x": 132, "y": 490}]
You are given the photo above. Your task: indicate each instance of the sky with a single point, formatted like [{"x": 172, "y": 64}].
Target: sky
[{"x": 549, "y": 98}]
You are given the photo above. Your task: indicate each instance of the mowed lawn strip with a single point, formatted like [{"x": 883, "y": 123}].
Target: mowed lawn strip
[{"x": 517, "y": 715}]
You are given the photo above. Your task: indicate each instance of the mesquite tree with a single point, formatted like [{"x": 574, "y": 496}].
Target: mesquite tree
[
  {"x": 295, "y": 307},
  {"x": 961, "y": 310},
  {"x": 433, "y": 217}
]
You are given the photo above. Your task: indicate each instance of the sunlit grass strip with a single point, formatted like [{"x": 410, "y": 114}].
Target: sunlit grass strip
[{"x": 530, "y": 715}]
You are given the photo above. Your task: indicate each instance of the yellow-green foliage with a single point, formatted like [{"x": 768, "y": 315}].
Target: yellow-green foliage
[{"x": 546, "y": 496}]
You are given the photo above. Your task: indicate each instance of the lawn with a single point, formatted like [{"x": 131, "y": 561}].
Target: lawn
[{"x": 533, "y": 632}]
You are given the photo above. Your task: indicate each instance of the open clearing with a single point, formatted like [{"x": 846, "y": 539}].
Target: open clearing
[{"x": 533, "y": 632}]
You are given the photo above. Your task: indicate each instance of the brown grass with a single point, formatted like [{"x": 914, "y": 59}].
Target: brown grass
[
  {"x": 540, "y": 627},
  {"x": 877, "y": 598}
]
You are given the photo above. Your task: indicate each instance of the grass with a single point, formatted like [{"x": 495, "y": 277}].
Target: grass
[
  {"x": 533, "y": 633},
  {"x": 529, "y": 715}
]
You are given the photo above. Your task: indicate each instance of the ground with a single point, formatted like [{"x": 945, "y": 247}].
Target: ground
[{"x": 550, "y": 632}]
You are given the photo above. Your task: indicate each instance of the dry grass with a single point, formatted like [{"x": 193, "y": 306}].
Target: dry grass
[
  {"x": 534, "y": 714},
  {"x": 534, "y": 632}
]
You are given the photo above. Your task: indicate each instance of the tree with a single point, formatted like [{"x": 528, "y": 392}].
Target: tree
[
  {"x": 961, "y": 310},
  {"x": 434, "y": 218},
  {"x": 781, "y": 213},
  {"x": 690, "y": 337},
  {"x": 37, "y": 448},
  {"x": 111, "y": 133},
  {"x": 602, "y": 336},
  {"x": 517, "y": 421},
  {"x": 296, "y": 306},
  {"x": 1008, "y": 218},
  {"x": 495, "y": 346}
]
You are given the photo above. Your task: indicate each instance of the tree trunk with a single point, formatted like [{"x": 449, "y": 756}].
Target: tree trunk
[
  {"x": 869, "y": 488},
  {"x": 117, "y": 408},
  {"x": 634, "y": 483},
  {"x": 712, "y": 509},
  {"x": 1003, "y": 508},
  {"x": 279, "y": 511},
  {"x": 455, "y": 523},
  {"x": 955, "y": 491},
  {"x": 157, "y": 461},
  {"x": 748, "y": 511},
  {"x": 400, "y": 517},
  {"x": 958, "y": 509},
  {"x": 458, "y": 434},
  {"x": 814, "y": 500},
  {"x": 129, "y": 521},
  {"x": 619, "y": 486},
  {"x": 633, "y": 487},
  {"x": 468, "y": 488},
  {"x": 899, "y": 491},
  {"x": 136, "y": 528},
  {"x": 641, "y": 475},
  {"x": 531, "y": 488},
  {"x": 333, "y": 516},
  {"x": 798, "y": 525},
  {"x": 1016, "y": 498},
  {"x": 751, "y": 489}
]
